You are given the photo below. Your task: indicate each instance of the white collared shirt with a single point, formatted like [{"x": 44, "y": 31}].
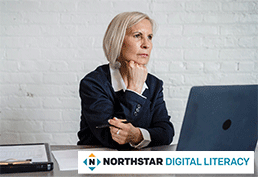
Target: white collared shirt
[{"x": 119, "y": 84}]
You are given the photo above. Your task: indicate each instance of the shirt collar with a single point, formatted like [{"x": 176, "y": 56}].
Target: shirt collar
[{"x": 118, "y": 82}]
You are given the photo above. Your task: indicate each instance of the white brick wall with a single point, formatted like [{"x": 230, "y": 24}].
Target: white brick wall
[{"x": 47, "y": 46}]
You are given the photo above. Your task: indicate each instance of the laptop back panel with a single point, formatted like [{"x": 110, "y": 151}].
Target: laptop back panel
[{"x": 220, "y": 118}]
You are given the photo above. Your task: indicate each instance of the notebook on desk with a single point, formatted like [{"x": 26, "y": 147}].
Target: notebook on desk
[
  {"x": 220, "y": 118},
  {"x": 16, "y": 158}
]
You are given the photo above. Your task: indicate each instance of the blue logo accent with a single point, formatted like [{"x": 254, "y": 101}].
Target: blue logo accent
[{"x": 85, "y": 162}]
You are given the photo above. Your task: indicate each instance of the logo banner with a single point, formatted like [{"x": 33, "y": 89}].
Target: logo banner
[{"x": 165, "y": 162}]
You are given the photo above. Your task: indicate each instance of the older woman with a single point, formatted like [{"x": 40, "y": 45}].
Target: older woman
[{"x": 124, "y": 90}]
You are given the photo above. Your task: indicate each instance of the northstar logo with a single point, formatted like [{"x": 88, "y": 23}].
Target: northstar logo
[{"x": 92, "y": 162}]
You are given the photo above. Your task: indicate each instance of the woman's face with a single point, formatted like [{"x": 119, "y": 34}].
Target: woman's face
[{"x": 137, "y": 43}]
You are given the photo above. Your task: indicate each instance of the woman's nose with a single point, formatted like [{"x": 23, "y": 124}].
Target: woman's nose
[{"x": 146, "y": 43}]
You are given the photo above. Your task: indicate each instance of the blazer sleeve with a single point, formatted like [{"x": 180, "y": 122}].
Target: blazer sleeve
[
  {"x": 150, "y": 113},
  {"x": 97, "y": 109},
  {"x": 161, "y": 129}
]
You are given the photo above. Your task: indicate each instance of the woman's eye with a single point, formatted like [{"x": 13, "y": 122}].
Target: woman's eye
[
  {"x": 137, "y": 35},
  {"x": 150, "y": 37}
]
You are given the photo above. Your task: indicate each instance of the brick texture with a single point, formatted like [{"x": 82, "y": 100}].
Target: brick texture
[{"x": 46, "y": 47}]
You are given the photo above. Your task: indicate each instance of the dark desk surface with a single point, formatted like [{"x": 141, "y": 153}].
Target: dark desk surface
[{"x": 57, "y": 172}]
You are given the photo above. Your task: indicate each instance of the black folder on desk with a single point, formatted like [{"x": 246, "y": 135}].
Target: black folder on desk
[{"x": 16, "y": 158}]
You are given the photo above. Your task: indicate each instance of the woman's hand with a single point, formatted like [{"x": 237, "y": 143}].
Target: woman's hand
[
  {"x": 124, "y": 133},
  {"x": 137, "y": 75}
]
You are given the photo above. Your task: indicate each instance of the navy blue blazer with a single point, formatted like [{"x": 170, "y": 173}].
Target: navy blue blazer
[{"x": 99, "y": 103}]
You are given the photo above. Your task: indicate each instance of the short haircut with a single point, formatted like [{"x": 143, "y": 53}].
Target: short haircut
[{"x": 115, "y": 33}]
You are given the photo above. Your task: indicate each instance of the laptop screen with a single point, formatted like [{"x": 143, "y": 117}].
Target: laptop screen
[{"x": 220, "y": 118}]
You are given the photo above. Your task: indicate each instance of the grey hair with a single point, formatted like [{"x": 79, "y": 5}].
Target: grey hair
[{"x": 115, "y": 33}]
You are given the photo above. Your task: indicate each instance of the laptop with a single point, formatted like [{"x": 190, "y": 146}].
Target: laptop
[{"x": 220, "y": 118}]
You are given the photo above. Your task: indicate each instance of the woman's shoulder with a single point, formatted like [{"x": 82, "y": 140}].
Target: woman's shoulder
[
  {"x": 99, "y": 76},
  {"x": 100, "y": 73},
  {"x": 153, "y": 80}
]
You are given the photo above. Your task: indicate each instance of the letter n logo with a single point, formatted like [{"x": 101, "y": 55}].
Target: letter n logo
[{"x": 92, "y": 162}]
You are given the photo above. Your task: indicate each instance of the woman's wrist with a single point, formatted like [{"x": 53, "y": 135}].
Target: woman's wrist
[
  {"x": 135, "y": 89},
  {"x": 138, "y": 137}
]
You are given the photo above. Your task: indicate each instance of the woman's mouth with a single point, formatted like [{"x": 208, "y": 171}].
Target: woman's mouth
[{"x": 144, "y": 55}]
